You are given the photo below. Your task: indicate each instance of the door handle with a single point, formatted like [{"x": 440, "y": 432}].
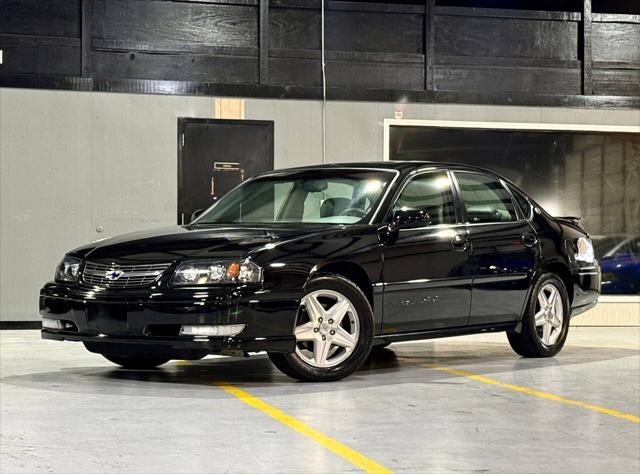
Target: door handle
[
  {"x": 460, "y": 243},
  {"x": 529, "y": 240}
]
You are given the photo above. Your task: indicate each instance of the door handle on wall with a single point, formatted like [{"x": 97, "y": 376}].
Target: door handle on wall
[{"x": 460, "y": 243}]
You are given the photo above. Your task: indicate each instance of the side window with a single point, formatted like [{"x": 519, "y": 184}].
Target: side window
[
  {"x": 485, "y": 199},
  {"x": 523, "y": 202},
  {"x": 430, "y": 192}
]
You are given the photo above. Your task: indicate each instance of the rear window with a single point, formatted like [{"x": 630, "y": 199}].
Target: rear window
[{"x": 486, "y": 200}]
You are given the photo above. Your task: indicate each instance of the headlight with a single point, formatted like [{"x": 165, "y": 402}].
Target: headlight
[
  {"x": 68, "y": 269},
  {"x": 584, "y": 250},
  {"x": 217, "y": 272}
]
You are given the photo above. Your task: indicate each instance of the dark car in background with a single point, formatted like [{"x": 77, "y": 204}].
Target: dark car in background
[
  {"x": 619, "y": 257},
  {"x": 318, "y": 265}
]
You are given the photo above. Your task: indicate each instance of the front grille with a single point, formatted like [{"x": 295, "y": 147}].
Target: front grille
[{"x": 122, "y": 276}]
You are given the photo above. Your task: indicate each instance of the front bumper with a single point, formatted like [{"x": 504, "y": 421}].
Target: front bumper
[{"x": 122, "y": 322}]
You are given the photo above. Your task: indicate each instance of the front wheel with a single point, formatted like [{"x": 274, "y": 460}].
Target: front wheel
[
  {"x": 545, "y": 324},
  {"x": 137, "y": 362},
  {"x": 334, "y": 332}
]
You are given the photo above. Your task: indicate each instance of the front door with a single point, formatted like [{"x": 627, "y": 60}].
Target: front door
[
  {"x": 214, "y": 156},
  {"x": 426, "y": 269},
  {"x": 504, "y": 249}
]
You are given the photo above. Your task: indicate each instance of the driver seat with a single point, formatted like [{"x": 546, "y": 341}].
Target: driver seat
[{"x": 334, "y": 206}]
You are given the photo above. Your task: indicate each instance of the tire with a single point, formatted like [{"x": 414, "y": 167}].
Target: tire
[
  {"x": 137, "y": 362},
  {"x": 348, "y": 339},
  {"x": 546, "y": 336}
]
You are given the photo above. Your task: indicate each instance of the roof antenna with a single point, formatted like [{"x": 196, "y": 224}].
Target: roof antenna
[{"x": 324, "y": 88}]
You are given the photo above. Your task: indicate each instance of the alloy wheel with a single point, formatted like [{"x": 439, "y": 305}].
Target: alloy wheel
[
  {"x": 327, "y": 329},
  {"x": 549, "y": 314}
]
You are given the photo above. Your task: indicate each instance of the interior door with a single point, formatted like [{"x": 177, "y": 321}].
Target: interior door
[
  {"x": 504, "y": 249},
  {"x": 214, "y": 156},
  {"x": 426, "y": 269}
]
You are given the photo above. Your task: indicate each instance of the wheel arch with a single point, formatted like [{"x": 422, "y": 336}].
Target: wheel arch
[
  {"x": 562, "y": 270},
  {"x": 351, "y": 271}
]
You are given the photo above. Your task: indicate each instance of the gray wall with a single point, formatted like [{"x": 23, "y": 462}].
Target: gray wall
[{"x": 71, "y": 161}]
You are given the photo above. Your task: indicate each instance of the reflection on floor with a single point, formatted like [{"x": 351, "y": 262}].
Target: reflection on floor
[{"x": 66, "y": 410}]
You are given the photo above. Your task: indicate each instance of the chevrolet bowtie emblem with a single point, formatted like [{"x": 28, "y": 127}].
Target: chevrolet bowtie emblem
[{"x": 113, "y": 274}]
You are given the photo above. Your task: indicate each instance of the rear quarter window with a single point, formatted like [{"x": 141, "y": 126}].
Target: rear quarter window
[{"x": 523, "y": 202}]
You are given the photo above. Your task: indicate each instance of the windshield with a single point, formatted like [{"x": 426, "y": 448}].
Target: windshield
[{"x": 311, "y": 196}]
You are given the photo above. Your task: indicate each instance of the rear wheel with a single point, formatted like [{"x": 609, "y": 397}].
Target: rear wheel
[
  {"x": 334, "y": 331},
  {"x": 137, "y": 362},
  {"x": 545, "y": 324}
]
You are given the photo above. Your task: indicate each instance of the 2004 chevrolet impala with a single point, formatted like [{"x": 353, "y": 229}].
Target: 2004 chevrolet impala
[{"x": 318, "y": 265}]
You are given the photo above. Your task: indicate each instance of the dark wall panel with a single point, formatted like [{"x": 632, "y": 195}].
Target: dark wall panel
[
  {"x": 374, "y": 31},
  {"x": 302, "y": 72},
  {"x": 294, "y": 29},
  {"x": 199, "y": 68},
  {"x": 35, "y": 17},
  {"x": 40, "y": 55},
  {"x": 616, "y": 41},
  {"x": 373, "y": 75},
  {"x": 509, "y": 79},
  {"x": 616, "y": 82},
  {"x": 616, "y": 56},
  {"x": 506, "y": 37},
  {"x": 374, "y": 51},
  {"x": 170, "y": 25}
]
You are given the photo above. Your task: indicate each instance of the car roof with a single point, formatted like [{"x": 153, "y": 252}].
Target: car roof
[{"x": 389, "y": 165}]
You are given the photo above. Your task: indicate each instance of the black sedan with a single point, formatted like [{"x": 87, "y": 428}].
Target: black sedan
[{"x": 318, "y": 265}]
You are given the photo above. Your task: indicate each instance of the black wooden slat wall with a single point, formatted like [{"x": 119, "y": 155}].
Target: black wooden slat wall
[
  {"x": 374, "y": 50},
  {"x": 616, "y": 55}
]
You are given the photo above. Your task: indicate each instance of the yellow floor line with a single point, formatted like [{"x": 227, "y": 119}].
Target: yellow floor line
[
  {"x": 537, "y": 393},
  {"x": 331, "y": 444}
]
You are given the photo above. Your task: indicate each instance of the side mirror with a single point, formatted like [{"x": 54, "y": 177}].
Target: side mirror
[
  {"x": 406, "y": 217},
  {"x": 197, "y": 213}
]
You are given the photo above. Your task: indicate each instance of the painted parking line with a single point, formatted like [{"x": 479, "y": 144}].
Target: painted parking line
[
  {"x": 336, "y": 447},
  {"x": 536, "y": 393}
]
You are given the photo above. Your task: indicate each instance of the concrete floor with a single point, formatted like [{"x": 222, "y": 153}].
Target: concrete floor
[{"x": 66, "y": 410}]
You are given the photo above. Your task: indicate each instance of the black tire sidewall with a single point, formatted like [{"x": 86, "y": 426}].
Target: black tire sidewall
[
  {"x": 543, "y": 350},
  {"x": 344, "y": 286},
  {"x": 137, "y": 362}
]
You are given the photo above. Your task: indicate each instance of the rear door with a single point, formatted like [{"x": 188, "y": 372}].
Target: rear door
[{"x": 503, "y": 248}]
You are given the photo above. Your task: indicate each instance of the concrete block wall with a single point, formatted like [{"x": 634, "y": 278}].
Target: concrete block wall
[{"x": 73, "y": 161}]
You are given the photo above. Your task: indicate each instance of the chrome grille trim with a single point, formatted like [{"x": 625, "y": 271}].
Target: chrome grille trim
[{"x": 95, "y": 274}]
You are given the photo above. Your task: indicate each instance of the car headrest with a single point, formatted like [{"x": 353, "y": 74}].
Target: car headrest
[
  {"x": 333, "y": 206},
  {"x": 482, "y": 214}
]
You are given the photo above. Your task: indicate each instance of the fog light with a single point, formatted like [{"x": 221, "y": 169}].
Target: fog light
[
  {"x": 221, "y": 330},
  {"x": 49, "y": 323}
]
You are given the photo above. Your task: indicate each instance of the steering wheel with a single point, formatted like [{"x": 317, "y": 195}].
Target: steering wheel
[{"x": 353, "y": 211}]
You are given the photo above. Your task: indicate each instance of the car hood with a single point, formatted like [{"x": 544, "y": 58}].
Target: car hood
[{"x": 178, "y": 242}]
